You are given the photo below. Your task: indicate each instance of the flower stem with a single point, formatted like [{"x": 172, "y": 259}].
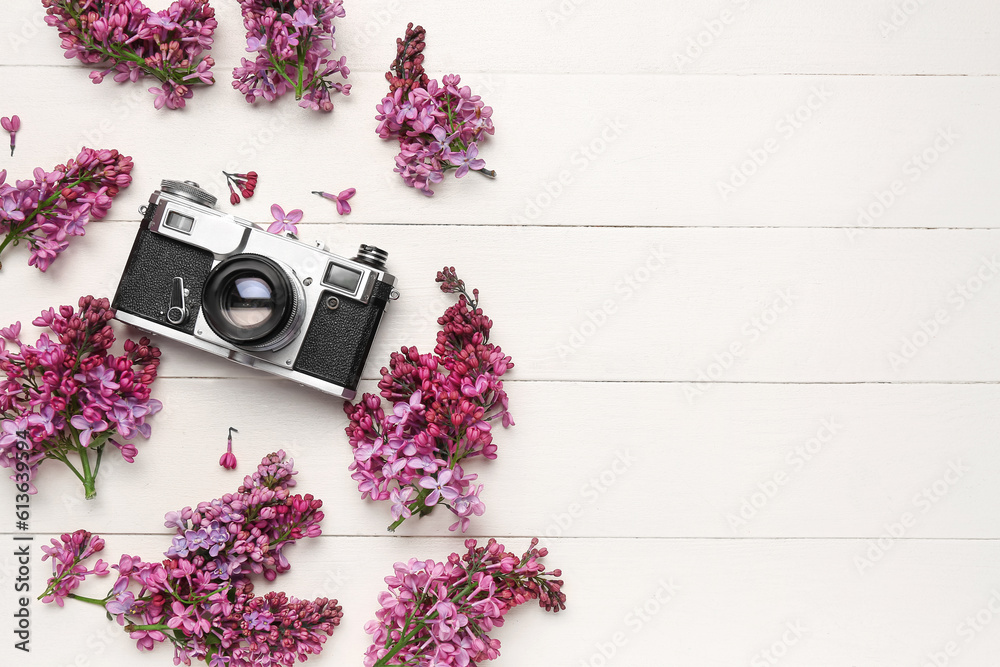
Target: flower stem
[
  {"x": 83, "y": 598},
  {"x": 131, "y": 627},
  {"x": 89, "y": 479}
]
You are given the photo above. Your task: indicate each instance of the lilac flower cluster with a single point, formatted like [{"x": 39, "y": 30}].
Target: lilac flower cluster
[
  {"x": 57, "y": 205},
  {"x": 68, "y": 571},
  {"x": 292, "y": 43},
  {"x": 129, "y": 39},
  {"x": 443, "y": 409},
  {"x": 67, "y": 397},
  {"x": 201, "y": 596},
  {"x": 438, "y": 125},
  {"x": 438, "y": 614}
]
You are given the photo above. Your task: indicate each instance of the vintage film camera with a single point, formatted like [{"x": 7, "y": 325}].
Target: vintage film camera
[{"x": 270, "y": 301}]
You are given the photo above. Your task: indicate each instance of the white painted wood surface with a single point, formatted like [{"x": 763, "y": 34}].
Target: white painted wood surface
[{"x": 765, "y": 487}]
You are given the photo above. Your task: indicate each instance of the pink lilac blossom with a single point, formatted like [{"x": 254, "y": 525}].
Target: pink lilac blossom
[
  {"x": 438, "y": 614},
  {"x": 201, "y": 597},
  {"x": 12, "y": 125},
  {"x": 285, "y": 223},
  {"x": 439, "y": 125},
  {"x": 341, "y": 200},
  {"x": 126, "y": 38},
  {"x": 291, "y": 46},
  {"x": 57, "y": 205},
  {"x": 228, "y": 459},
  {"x": 68, "y": 571},
  {"x": 66, "y": 397},
  {"x": 443, "y": 408},
  {"x": 245, "y": 183}
]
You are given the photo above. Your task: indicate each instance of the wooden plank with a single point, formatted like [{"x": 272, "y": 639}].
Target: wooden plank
[
  {"x": 804, "y": 305},
  {"x": 802, "y": 601},
  {"x": 791, "y": 151},
  {"x": 688, "y": 36},
  {"x": 742, "y": 461}
]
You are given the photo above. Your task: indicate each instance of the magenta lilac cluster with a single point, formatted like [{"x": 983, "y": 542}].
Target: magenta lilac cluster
[
  {"x": 68, "y": 570},
  {"x": 443, "y": 409},
  {"x": 439, "y": 126},
  {"x": 439, "y": 614},
  {"x": 132, "y": 41},
  {"x": 67, "y": 397},
  {"x": 201, "y": 597},
  {"x": 292, "y": 48},
  {"x": 45, "y": 212}
]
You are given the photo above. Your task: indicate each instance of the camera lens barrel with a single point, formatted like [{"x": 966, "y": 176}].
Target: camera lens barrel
[{"x": 253, "y": 302}]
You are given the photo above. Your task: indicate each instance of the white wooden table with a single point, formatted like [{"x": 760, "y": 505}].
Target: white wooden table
[{"x": 743, "y": 254}]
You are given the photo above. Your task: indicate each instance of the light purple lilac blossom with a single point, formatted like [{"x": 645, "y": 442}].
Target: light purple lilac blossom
[
  {"x": 443, "y": 410},
  {"x": 292, "y": 52},
  {"x": 66, "y": 397},
  {"x": 128, "y": 39},
  {"x": 439, "y": 125},
  {"x": 201, "y": 597},
  {"x": 46, "y": 212}
]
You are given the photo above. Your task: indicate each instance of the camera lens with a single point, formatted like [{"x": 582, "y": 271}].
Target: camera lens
[
  {"x": 253, "y": 303},
  {"x": 248, "y": 302}
]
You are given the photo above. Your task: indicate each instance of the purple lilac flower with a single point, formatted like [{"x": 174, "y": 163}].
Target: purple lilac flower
[
  {"x": 68, "y": 372},
  {"x": 284, "y": 222},
  {"x": 444, "y": 407},
  {"x": 46, "y": 212},
  {"x": 292, "y": 52},
  {"x": 439, "y": 124},
  {"x": 439, "y": 487},
  {"x": 400, "y": 499},
  {"x": 466, "y": 160},
  {"x": 207, "y": 603},
  {"x": 130, "y": 39},
  {"x": 440, "y": 613},
  {"x": 258, "y": 620},
  {"x": 12, "y": 125},
  {"x": 88, "y": 428},
  {"x": 343, "y": 206}
]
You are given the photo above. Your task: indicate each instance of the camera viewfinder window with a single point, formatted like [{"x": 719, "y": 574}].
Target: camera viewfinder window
[
  {"x": 342, "y": 277},
  {"x": 181, "y": 223}
]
